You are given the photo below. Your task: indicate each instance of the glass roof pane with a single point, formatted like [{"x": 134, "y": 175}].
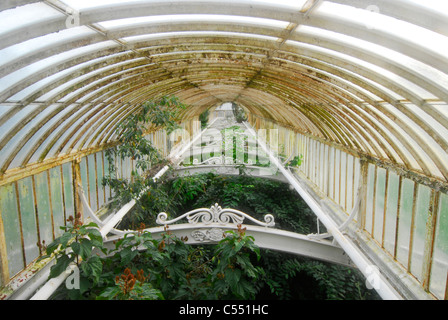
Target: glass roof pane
[
  {"x": 29, "y": 15},
  {"x": 114, "y": 24},
  {"x": 11, "y": 146},
  {"x": 441, "y": 6},
  {"x": 84, "y": 4},
  {"x": 396, "y": 58},
  {"x": 83, "y": 51},
  {"x": 49, "y": 41},
  {"x": 197, "y": 34},
  {"x": 411, "y": 33}
]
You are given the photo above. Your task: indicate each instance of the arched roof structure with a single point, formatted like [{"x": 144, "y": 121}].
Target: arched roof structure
[
  {"x": 370, "y": 77},
  {"x": 351, "y": 80}
]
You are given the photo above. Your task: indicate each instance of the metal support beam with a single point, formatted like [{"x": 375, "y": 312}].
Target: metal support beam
[{"x": 384, "y": 288}]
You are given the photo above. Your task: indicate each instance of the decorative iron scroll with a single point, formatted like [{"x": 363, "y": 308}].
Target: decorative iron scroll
[
  {"x": 216, "y": 215},
  {"x": 214, "y": 234}
]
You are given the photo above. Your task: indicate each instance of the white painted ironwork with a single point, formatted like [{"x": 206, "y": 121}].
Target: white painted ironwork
[{"x": 216, "y": 214}]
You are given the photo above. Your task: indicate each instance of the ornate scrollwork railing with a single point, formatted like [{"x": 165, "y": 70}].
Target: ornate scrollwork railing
[{"x": 216, "y": 215}]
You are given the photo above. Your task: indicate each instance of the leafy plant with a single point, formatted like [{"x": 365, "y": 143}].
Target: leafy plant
[
  {"x": 160, "y": 114},
  {"x": 76, "y": 246},
  {"x": 203, "y": 117},
  {"x": 131, "y": 287},
  {"x": 235, "y": 275}
]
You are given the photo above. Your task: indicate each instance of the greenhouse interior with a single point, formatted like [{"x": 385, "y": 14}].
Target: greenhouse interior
[{"x": 215, "y": 150}]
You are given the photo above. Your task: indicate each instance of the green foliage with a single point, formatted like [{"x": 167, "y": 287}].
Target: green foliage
[
  {"x": 235, "y": 276},
  {"x": 160, "y": 114},
  {"x": 238, "y": 112},
  {"x": 203, "y": 117},
  {"x": 296, "y": 162},
  {"x": 156, "y": 269},
  {"x": 76, "y": 246}
]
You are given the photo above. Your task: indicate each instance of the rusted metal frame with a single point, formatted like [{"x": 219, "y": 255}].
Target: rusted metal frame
[
  {"x": 76, "y": 180},
  {"x": 418, "y": 120},
  {"x": 38, "y": 167},
  {"x": 11, "y": 4},
  {"x": 331, "y": 70},
  {"x": 99, "y": 66},
  {"x": 407, "y": 144},
  {"x": 424, "y": 81},
  {"x": 50, "y": 204},
  {"x": 302, "y": 109},
  {"x": 37, "y": 127},
  {"x": 36, "y": 56},
  {"x": 353, "y": 182},
  {"x": 109, "y": 102},
  {"x": 19, "y": 218},
  {"x": 4, "y": 268},
  {"x": 104, "y": 174},
  {"x": 290, "y": 83},
  {"x": 411, "y": 229},
  {"x": 446, "y": 287},
  {"x": 88, "y": 181},
  {"x": 74, "y": 119},
  {"x": 388, "y": 40},
  {"x": 375, "y": 180},
  {"x": 107, "y": 136},
  {"x": 363, "y": 134},
  {"x": 102, "y": 108},
  {"x": 80, "y": 60},
  {"x": 386, "y": 190},
  {"x": 402, "y": 140},
  {"x": 340, "y": 84},
  {"x": 403, "y": 10},
  {"x": 61, "y": 175},
  {"x": 437, "y": 138},
  {"x": 431, "y": 226},
  {"x": 397, "y": 220},
  {"x": 108, "y": 122},
  {"x": 198, "y": 26},
  {"x": 412, "y": 174},
  {"x": 330, "y": 120},
  {"x": 94, "y": 15},
  {"x": 95, "y": 121},
  {"x": 346, "y": 184}
]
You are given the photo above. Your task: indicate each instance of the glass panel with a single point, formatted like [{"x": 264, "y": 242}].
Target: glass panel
[
  {"x": 29, "y": 14},
  {"x": 369, "y": 199},
  {"x": 44, "y": 214},
  {"x": 11, "y": 226},
  {"x": 106, "y": 173},
  {"x": 391, "y": 213},
  {"x": 337, "y": 185},
  {"x": 29, "y": 223},
  {"x": 343, "y": 180},
  {"x": 100, "y": 175},
  {"x": 380, "y": 194},
  {"x": 439, "y": 271},
  {"x": 350, "y": 192},
  {"x": 129, "y": 22},
  {"x": 67, "y": 175},
  {"x": 405, "y": 219},
  {"x": 56, "y": 200},
  {"x": 419, "y": 230},
  {"x": 92, "y": 182},
  {"x": 331, "y": 173}
]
